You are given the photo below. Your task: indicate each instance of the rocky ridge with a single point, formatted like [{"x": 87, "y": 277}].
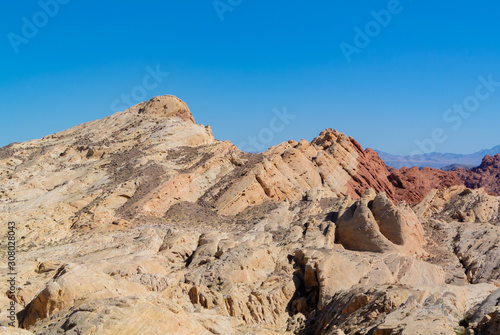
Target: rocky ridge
[
  {"x": 487, "y": 175},
  {"x": 142, "y": 161},
  {"x": 143, "y": 223}
]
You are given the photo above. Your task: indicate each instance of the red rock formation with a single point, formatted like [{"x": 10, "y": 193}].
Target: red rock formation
[
  {"x": 156, "y": 157},
  {"x": 412, "y": 185},
  {"x": 486, "y": 175},
  {"x": 332, "y": 163},
  {"x": 372, "y": 173}
]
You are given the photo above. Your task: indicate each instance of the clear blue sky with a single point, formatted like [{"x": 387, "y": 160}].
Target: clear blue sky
[{"x": 263, "y": 55}]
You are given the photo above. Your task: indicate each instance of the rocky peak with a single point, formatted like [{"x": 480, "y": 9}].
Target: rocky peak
[
  {"x": 328, "y": 137},
  {"x": 143, "y": 223},
  {"x": 165, "y": 106},
  {"x": 486, "y": 175},
  {"x": 489, "y": 163}
]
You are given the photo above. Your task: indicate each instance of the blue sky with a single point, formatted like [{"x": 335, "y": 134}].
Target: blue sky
[{"x": 239, "y": 63}]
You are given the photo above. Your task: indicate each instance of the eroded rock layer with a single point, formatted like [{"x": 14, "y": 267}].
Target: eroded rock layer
[
  {"x": 142, "y": 161},
  {"x": 486, "y": 176},
  {"x": 143, "y": 223}
]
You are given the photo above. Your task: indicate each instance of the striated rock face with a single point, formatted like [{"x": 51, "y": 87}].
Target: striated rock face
[
  {"x": 143, "y": 223},
  {"x": 486, "y": 176},
  {"x": 101, "y": 171},
  {"x": 461, "y": 204},
  {"x": 370, "y": 171},
  {"x": 331, "y": 163},
  {"x": 141, "y": 162}
]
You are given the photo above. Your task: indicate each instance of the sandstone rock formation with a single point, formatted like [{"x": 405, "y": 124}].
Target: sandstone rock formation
[
  {"x": 412, "y": 185},
  {"x": 374, "y": 223},
  {"x": 461, "y": 204},
  {"x": 144, "y": 160},
  {"x": 486, "y": 176},
  {"x": 143, "y": 223},
  {"x": 332, "y": 163}
]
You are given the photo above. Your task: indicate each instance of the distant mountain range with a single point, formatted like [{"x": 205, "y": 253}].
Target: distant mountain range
[{"x": 438, "y": 160}]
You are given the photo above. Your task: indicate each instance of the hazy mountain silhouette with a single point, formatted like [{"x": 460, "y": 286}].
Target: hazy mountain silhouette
[{"x": 437, "y": 160}]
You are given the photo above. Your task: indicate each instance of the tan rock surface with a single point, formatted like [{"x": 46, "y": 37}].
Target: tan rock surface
[
  {"x": 374, "y": 223},
  {"x": 460, "y": 204},
  {"x": 398, "y": 309},
  {"x": 143, "y": 223},
  {"x": 13, "y": 331}
]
